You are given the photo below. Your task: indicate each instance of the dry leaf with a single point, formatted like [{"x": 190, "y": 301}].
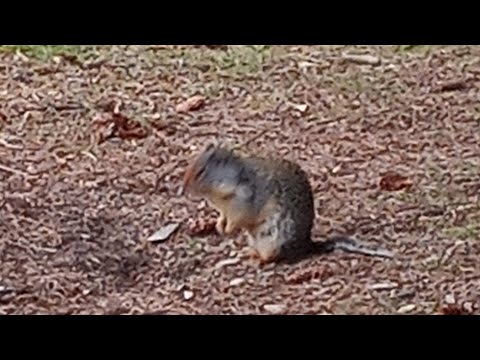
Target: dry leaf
[
  {"x": 193, "y": 103},
  {"x": 127, "y": 129},
  {"x": 114, "y": 124},
  {"x": 300, "y": 107},
  {"x": 302, "y": 276},
  {"x": 201, "y": 228},
  {"x": 3, "y": 117},
  {"x": 455, "y": 310},
  {"x": 217, "y": 47},
  {"x": 163, "y": 233},
  {"x": 393, "y": 181},
  {"x": 452, "y": 86}
]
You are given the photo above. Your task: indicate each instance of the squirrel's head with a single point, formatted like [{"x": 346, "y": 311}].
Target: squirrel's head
[{"x": 215, "y": 172}]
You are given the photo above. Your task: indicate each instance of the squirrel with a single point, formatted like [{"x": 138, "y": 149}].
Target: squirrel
[{"x": 271, "y": 199}]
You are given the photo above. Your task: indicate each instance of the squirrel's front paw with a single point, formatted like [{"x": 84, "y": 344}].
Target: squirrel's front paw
[{"x": 220, "y": 225}]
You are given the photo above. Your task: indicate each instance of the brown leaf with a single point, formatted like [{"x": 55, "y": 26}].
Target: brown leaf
[
  {"x": 118, "y": 125},
  {"x": 393, "y": 182},
  {"x": 452, "y": 86},
  {"x": 163, "y": 233},
  {"x": 201, "y": 228},
  {"x": 193, "y": 103},
  {"x": 454, "y": 310},
  {"x": 3, "y": 117},
  {"x": 307, "y": 275},
  {"x": 219, "y": 47},
  {"x": 162, "y": 125}
]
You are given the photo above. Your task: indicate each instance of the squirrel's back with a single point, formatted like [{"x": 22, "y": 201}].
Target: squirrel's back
[{"x": 292, "y": 192}]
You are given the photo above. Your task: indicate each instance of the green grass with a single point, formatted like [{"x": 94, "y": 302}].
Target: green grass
[
  {"x": 46, "y": 52},
  {"x": 468, "y": 231},
  {"x": 412, "y": 48},
  {"x": 239, "y": 60}
]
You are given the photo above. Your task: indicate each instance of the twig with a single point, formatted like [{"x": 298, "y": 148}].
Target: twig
[
  {"x": 10, "y": 146},
  {"x": 253, "y": 138},
  {"x": 13, "y": 171}
]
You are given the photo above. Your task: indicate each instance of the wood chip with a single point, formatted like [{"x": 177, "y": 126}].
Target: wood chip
[
  {"x": 406, "y": 309},
  {"x": 237, "y": 282},
  {"x": 362, "y": 59},
  {"x": 275, "y": 309},
  {"x": 226, "y": 262},
  {"x": 193, "y": 103},
  {"x": 163, "y": 233},
  {"x": 300, "y": 107},
  {"x": 383, "y": 286}
]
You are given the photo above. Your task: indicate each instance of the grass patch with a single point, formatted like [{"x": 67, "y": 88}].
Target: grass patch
[
  {"x": 235, "y": 60},
  {"x": 46, "y": 52},
  {"x": 468, "y": 231},
  {"x": 413, "y": 48}
]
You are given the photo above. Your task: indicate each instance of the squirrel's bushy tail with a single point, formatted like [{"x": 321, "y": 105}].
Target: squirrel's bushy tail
[{"x": 349, "y": 245}]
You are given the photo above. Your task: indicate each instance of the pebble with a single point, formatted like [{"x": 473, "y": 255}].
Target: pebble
[
  {"x": 450, "y": 299},
  {"x": 187, "y": 294},
  {"x": 237, "y": 281},
  {"x": 274, "y": 308}
]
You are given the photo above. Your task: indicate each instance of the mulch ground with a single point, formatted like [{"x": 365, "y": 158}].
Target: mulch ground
[{"x": 92, "y": 152}]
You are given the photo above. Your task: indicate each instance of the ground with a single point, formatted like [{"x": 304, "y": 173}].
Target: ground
[{"x": 77, "y": 205}]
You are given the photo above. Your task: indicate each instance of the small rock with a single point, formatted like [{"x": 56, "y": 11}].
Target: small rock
[
  {"x": 237, "y": 282},
  {"x": 355, "y": 104},
  {"x": 300, "y": 107},
  {"x": 163, "y": 233},
  {"x": 336, "y": 169},
  {"x": 450, "y": 299},
  {"x": 187, "y": 294},
  {"x": 274, "y": 308},
  {"x": 468, "y": 306},
  {"x": 406, "y": 309}
]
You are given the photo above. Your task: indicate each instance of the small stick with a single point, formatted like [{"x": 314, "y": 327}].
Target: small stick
[{"x": 13, "y": 171}]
